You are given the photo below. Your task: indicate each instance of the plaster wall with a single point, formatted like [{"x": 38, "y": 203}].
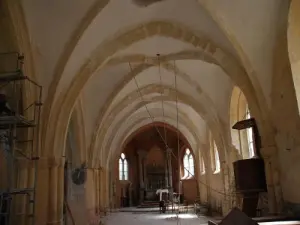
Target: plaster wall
[{"x": 287, "y": 125}]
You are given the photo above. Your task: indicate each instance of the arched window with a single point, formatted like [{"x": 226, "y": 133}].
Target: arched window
[
  {"x": 242, "y": 140},
  {"x": 123, "y": 167},
  {"x": 202, "y": 166},
  {"x": 293, "y": 46},
  {"x": 188, "y": 164},
  {"x": 250, "y": 135},
  {"x": 216, "y": 158}
]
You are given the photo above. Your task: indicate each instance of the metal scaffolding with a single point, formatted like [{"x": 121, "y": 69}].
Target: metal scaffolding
[{"x": 19, "y": 129}]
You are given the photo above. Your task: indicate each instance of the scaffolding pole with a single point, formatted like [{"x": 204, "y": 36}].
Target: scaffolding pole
[{"x": 19, "y": 127}]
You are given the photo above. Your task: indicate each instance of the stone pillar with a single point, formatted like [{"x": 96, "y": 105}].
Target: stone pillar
[
  {"x": 166, "y": 172},
  {"x": 60, "y": 192},
  {"x": 97, "y": 172},
  {"x": 56, "y": 192},
  {"x": 102, "y": 195},
  {"x": 52, "y": 195},
  {"x": 130, "y": 194},
  {"x": 141, "y": 157},
  {"x": 273, "y": 180},
  {"x": 207, "y": 181},
  {"x": 107, "y": 185},
  {"x": 226, "y": 204},
  {"x": 169, "y": 163},
  {"x": 90, "y": 195},
  {"x": 170, "y": 177}
]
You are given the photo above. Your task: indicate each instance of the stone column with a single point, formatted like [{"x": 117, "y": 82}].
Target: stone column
[
  {"x": 273, "y": 181},
  {"x": 166, "y": 172},
  {"x": 141, "y": 156},
  {"x": 56, "y": 192},
  {"x": 102, "y": 194},
  {"x": 52, "y": 195},
  {"x": 97, "y": 189},
  {"x": 226, "y": 203},
  {"x": 169, "y": 163},
  {"x": 130, "y": 194},
  {"x": 170, "y": 177},
  {"x": 90, "y": 195}
]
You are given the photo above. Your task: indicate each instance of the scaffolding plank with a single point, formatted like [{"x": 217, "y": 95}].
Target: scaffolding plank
[
  {"x": 11, "y": 76},
  {"x": 20, "y": 191},
  {"x": 19, "y": 121}
]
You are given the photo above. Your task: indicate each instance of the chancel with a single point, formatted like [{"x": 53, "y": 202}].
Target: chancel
[
  {"x": 152, "y": 167},
  {"x": 149, "y": 111}
]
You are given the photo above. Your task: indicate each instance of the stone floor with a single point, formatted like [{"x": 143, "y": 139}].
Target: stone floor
[{"x": 131, "y": 218}]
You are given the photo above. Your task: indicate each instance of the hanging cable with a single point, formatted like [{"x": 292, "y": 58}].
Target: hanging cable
[
  {"x": 150, "y": 116},
  {"x": 178, "y": 143},
  {"x": 162, "y": 101},
  {"x": 178, "y": 139}
]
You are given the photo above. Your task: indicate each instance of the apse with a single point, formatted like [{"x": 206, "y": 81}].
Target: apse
[{"x": 157, "y": 157}]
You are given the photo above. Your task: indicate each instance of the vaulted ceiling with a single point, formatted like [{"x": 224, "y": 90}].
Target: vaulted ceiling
[{"x": 103, "y": 56}]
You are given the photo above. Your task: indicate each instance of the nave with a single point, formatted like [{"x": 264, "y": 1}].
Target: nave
[
  {"x": 127, "y": 218},
  {"x": 105, "y": 104}
]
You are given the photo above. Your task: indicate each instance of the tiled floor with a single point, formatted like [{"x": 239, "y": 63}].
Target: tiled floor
[{"x": 130, "y": 218}]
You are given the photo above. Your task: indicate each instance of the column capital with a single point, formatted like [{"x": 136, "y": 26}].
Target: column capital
[
  {"x": 45, "y": 162},
  {"x": 95, "y": 166}
]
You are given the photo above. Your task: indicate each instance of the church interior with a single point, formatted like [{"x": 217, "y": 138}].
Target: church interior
[{"x": 118, "y": 112}]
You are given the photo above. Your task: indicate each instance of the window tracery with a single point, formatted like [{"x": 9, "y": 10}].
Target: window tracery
[
  {"x": 188, "y": 164},
  {"x": 123, "y": 167}
]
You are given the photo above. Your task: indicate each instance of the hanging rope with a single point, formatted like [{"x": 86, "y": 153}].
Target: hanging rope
[
  {"x": 162, "y": 101},
  {"x": 178, "y": 143},
  {"x": 150, "y": 116},
  {"x": 178, "y": 135}
]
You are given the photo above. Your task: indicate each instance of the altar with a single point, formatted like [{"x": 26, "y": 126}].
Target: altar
[
  {"x": 155, "y": 173},
  {"x": 160, "y": 193}
]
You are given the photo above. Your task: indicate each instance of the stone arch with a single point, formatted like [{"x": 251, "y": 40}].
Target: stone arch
[
  {"x": 94, "y": 10},
  {"x": 245, "y": 62},
  {"x": 77, "y": 121},
  {"x": 107, "y": 49},
  {"x": 293, "y": 34},
  {"x": 183, "y": 121},
  {"x": 158, "y": 89},
  {"x": 19, "y": 39},
  {"x": 158, "y": 124},
  {"x": 139, "y": 69},
  {"x": 131, "y": 130}
]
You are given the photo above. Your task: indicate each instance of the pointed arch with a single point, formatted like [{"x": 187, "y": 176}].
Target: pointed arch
[
  {"x": 104, "y": 52},
  {"x": 293, "y": 35},
  {"x": 123, "y": 167},
  {"x": 188, "y": 164},
  {"x": 216, "y": 164}
]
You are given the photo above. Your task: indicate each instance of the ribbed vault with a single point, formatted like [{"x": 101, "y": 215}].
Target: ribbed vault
[{"x": 103, "y": 79}]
